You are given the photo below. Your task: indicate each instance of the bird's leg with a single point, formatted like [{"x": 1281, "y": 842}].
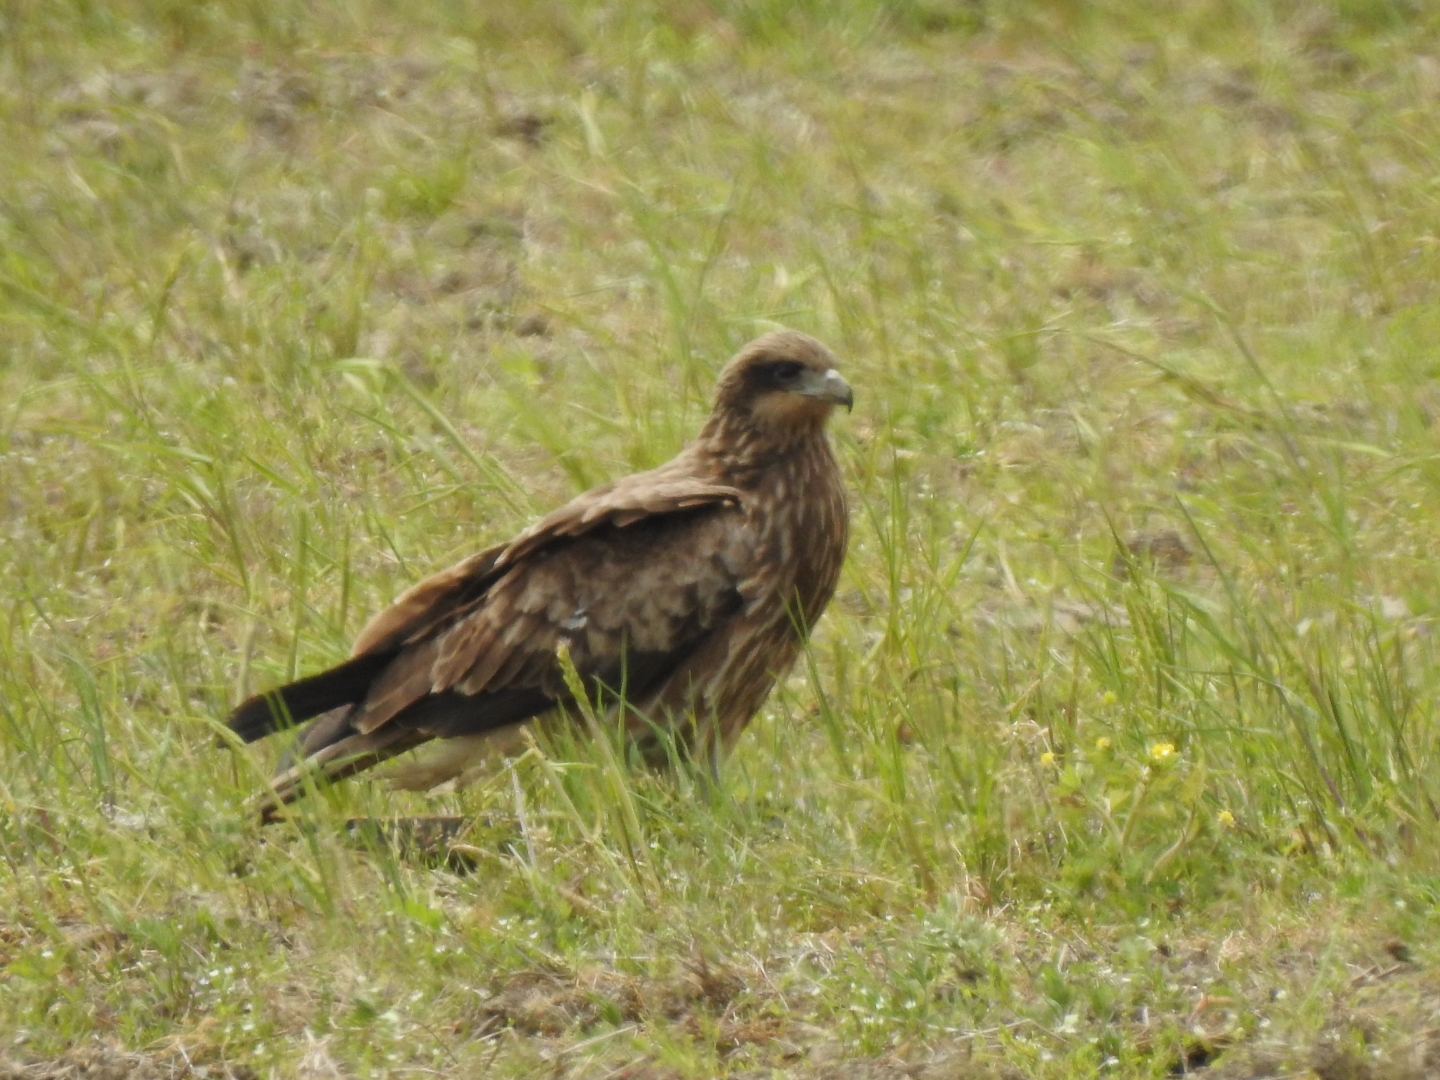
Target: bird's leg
[
  {"x": 714, "y": 758},
  {"x": 704, "y": 761}
]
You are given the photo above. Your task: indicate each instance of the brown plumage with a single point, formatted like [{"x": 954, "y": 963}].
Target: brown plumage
[{"x": 684, "y": 592}]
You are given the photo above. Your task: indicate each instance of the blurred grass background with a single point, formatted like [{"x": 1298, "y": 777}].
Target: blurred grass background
[{"x": 1117, "y": 751}]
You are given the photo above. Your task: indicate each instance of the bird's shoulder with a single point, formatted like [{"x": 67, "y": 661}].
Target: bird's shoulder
[{"x": 674, "y": 487}]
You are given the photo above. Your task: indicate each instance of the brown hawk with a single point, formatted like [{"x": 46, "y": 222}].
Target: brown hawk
[{"x": 681, "y": 594}]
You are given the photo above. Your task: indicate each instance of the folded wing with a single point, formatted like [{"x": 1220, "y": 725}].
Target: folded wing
[{"x": 633, "y": 578}]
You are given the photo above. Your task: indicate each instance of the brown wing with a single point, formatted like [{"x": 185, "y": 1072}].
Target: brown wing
[
  {"x": 618, "y": 504},
  {"x": 632, "y": 577},
  {"x": 629, "y": 601},
  {"x": 666, "y": 490}
]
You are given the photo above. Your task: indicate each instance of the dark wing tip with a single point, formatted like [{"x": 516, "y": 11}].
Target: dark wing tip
[
  {"x": 257, "y": 717},
  {"x": 285, "y": 706}
]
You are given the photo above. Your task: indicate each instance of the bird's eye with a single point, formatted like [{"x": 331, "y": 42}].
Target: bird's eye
[{"x": 787, "y": 370}]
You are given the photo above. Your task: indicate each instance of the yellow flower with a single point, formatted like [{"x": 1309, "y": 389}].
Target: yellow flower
[
  {"x": 1162, "y": 751},
  {"x": 1102, "y": 743},
  {"x": 1108, "y": 698},
  {"x": 1047, "y": 758},
  {"x": 1225, "y": 819}
]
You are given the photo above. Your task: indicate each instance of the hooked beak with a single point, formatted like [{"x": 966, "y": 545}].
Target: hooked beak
[{"x": 827, "y": 387}]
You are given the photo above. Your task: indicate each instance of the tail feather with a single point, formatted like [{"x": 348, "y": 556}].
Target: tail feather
[
  {"x": 343, "y": 684},
  {"x": 331, "y": 749},
  {"x": 334, "y": 762}
]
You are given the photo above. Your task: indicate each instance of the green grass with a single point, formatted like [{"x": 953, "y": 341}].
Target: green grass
[{"x": 1117, "y": 752}]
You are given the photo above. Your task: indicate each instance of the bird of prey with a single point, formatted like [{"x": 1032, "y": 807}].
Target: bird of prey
[{"x": 681, "y": 595}]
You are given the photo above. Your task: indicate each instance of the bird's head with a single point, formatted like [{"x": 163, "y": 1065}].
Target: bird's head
[{"x": 782, "y": 385}]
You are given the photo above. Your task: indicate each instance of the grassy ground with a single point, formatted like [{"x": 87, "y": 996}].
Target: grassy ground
[{"x": 1117, "y": 752}]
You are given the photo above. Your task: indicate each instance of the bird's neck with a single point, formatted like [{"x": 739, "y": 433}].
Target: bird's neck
[{"x": 742, "y": 453}]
